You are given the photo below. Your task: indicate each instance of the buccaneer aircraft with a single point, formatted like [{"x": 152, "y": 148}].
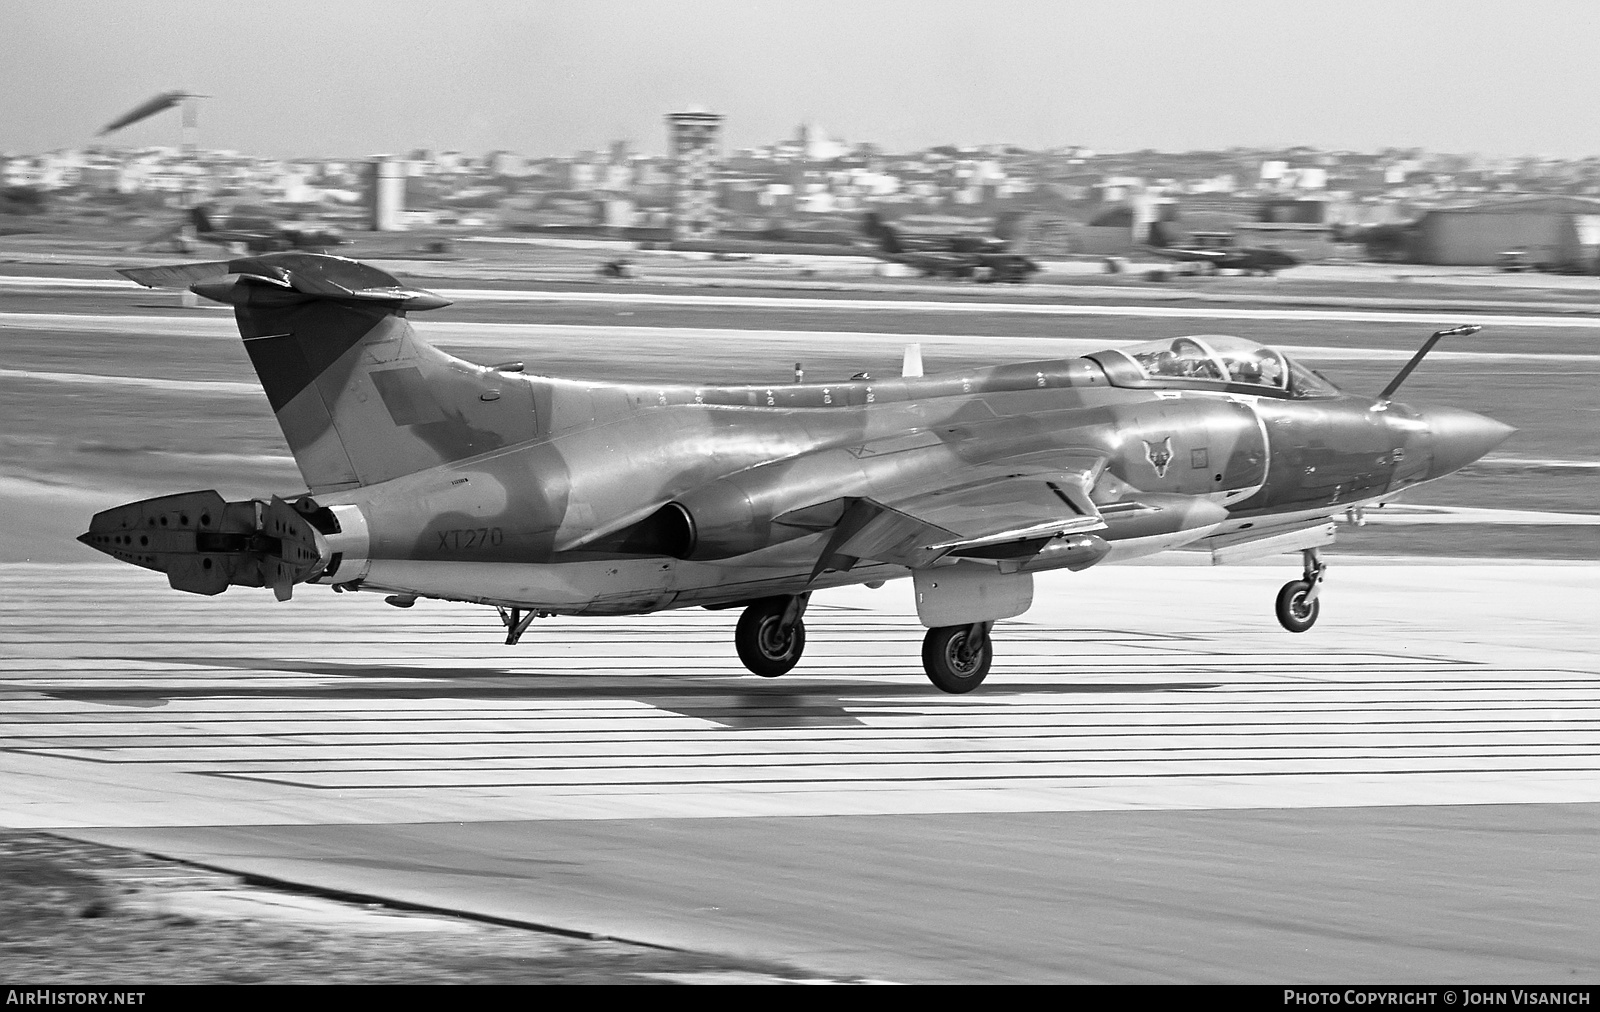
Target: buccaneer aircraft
[
  {"x": 980, "y": 258},
  {"x": 259, "y": 235},
  {"x": 1266, "y": 260},
  {"x": 428, "y": 476}
]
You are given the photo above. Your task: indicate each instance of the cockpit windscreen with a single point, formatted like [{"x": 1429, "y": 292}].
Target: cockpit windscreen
[{"x": 1220, "y": 359}]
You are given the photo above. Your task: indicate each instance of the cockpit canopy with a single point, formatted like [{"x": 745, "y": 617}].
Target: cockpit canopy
[{"x": 1213, "y": 361}]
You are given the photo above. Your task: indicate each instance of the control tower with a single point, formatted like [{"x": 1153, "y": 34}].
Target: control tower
[
  {"x": 694, "y": 150},
  {"x": 386, "y": 193}
]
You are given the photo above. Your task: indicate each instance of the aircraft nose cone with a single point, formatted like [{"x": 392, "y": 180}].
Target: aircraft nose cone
[{"x": 1461, "y": 437}]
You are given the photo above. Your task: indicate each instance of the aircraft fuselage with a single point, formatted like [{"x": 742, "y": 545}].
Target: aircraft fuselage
[{"x": 516, "y": 525}]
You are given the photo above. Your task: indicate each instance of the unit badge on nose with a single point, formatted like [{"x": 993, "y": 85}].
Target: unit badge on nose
[{"x": 1159, "y": 454}]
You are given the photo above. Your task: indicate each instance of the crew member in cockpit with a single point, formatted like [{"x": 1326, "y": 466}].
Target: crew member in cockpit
[{"x": 1271, "y": 372}]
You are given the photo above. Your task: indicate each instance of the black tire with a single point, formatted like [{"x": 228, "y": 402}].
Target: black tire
[
  {"x": 952, "y": 666},
  {"x": 1294, "y": 614},
  {"x": 760, "y": 642}
]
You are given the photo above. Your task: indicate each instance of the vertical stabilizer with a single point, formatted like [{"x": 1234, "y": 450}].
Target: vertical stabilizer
[
  {"x": 360, "y": 397},
  {"x": 882, "y": 232},
  {"x": 1008, "y": 226}
]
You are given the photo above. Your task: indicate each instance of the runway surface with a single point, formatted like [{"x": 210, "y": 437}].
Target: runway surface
[
  {"x": 1028, "y": 304},
  {"x": 1156, "y": 783}
]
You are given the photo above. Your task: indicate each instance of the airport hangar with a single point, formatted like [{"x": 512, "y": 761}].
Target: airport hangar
[{"x": 1559, "y": 231}]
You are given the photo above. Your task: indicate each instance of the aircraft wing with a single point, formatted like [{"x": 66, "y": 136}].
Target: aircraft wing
[
  {"x": 1202, "y": 255},
  {"x": 937, "y": 259},
  {"x": 1002, "y": 510},
  {"x": 237, "y": 235}
]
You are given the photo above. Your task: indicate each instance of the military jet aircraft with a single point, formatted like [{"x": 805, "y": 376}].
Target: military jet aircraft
[
  {"x": 980, "y": 258},
  {"x": 428, "y": 476},
  {"x": 1007, "y": 225},
  {"x": 1264, "y": 260},
  {"x": 260, "y": 235}
]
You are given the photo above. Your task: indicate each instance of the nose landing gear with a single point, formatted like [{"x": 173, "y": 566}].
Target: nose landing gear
[
  {"x": 771, "y": 636},
  {"x": 1297, "y": 602}
]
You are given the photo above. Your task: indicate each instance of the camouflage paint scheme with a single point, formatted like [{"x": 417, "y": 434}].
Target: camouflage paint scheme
[{"x": 431, "y": 476}]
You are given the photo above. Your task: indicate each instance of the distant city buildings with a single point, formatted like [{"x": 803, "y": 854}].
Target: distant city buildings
[{"x": 813, "y": 179}]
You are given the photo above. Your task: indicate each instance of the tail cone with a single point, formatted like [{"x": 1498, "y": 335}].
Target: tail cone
[{"x": 205, "y": 545}]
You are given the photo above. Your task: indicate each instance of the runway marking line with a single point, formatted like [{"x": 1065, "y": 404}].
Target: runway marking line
[{"x": 1426, "y": 315}]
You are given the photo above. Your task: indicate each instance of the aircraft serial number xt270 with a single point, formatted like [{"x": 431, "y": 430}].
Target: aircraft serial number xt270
[{"x": 431, "y": 477}]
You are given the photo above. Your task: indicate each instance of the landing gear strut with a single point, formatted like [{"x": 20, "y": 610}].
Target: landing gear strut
[
  {"x": 771, "y": 635},
  {"x": 957, "y": 657},
  {"x": 1297, "y": 601},
  {"x": 516, "y": 622}
]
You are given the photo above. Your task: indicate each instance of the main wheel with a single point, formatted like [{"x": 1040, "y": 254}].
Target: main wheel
[
  {"x": 764, "y": 646},
  {"x": 955, "y": 659},
  {"x": 1295, "y": 613}
]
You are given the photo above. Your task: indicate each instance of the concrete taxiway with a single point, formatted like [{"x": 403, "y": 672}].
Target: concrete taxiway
[{"x": 1155, "y": 784}]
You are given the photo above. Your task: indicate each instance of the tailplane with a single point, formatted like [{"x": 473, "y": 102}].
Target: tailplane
[
  {"x": 876, "y": 228},
  {"x": 360, "y": 397}
]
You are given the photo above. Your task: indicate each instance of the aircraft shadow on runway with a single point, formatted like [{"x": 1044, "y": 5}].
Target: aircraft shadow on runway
[{"x": 729, "y": 700}]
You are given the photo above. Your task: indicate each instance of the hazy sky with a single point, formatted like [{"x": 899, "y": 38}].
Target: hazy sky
[{"x": 358, "y": 77}]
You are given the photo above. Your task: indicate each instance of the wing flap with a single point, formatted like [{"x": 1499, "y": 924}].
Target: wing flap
[{"x": 1012, "y": 507}]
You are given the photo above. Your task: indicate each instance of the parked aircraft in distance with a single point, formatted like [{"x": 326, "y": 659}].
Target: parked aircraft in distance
[
  {"x": 1223, "y": 256},
  {"x": 980, "y": 258},
  {"x": 1004, "y": 232},
  {"x": 259, "y": 235},
  {"x": 430, "y": 477}
]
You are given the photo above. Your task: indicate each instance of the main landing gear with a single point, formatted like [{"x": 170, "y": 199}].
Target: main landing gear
[
  {"x": 771, "y": 635},
  {"x": 1297, "y": 601},
  {"x": 957, "y": 657}
]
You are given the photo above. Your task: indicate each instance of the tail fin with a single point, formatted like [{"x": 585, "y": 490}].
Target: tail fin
[
  {"x": 875, "y": 227},
  {"x": 1008, "y": 225},
  {"x": 360, "y": 397},
  {"x": 1159, "y": 235}
]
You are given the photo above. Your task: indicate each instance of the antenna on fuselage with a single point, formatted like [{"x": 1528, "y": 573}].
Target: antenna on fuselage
[
  {"x": 1427, "y": 346},
  {"x": 911, "y": 364}
]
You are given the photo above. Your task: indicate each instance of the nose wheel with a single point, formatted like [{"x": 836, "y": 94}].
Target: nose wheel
[
  {"x": 1298, "y": 603},
  {"x": 957, "y": 657},
  {"x": 771, "y": 635}
]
